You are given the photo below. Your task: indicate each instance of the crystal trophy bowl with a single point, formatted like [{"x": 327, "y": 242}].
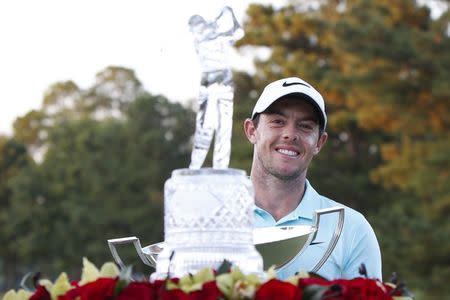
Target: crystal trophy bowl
[{"x": 208, "y": 218}]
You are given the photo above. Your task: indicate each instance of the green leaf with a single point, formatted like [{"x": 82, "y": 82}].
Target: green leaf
[
  {"x": 109, "y": 269},
  {"x": 204, "y": 275},
  {"x": 314, "y": 292},
  {"x": 89, "y": 272},
  {"x": 61, "y": 286},
  {"x": 224, "y": 267},
  {"x": 225, "y": 283}
]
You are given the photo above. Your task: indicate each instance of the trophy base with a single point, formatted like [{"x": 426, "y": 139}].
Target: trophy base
[
  {"x": 191, "y": 260},
  {"x": 208, "y": 218}
]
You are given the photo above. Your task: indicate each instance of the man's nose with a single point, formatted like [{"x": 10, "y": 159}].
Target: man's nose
[{"x": 289, "y": 133}]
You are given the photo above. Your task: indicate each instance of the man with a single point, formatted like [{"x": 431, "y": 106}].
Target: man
[{"x": 287, "y": 129}]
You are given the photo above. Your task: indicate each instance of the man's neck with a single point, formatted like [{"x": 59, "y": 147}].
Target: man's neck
[{"x": 276, "y": 196}]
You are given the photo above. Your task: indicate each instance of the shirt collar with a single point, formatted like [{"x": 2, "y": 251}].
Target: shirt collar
[
  {"x": 304, "y": 210},
  {"x": 307, "y": 205}
]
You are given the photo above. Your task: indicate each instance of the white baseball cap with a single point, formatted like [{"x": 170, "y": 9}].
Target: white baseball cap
[{"x": 291, "y": 86}]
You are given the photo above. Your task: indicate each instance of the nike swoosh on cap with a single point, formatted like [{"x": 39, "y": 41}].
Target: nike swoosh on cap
[{"x": 285, "y": 84}]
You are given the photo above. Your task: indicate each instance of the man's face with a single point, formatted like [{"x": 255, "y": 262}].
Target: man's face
[{"x": 286, "y": 139}]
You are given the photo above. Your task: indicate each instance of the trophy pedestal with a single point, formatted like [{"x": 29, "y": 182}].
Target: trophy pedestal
[{"x": 208, "y": 218}]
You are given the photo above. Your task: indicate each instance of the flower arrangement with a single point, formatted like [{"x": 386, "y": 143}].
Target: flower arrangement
[{"x": 227, "y": 282}]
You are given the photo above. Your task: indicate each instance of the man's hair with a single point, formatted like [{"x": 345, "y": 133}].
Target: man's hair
[{"x": 255, "y": 120}]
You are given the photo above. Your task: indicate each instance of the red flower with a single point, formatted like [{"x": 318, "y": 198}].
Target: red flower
[
  {"x": 304, "y": 282},
  {"x": 209, "y": 291},
  {"x": 41, "y": 293},
  {"x": 364, "y": 289},
  {"x": 159, "y": 286},
  {"x": 108, "y": 288},
  {"x": 354, "y": 289},
  {"x": 275, "y": 289},
  {"x": 102, "y": 288},
  {"x": 74, "y": 282},
  {"x": 174, "y": 295},
  {"x": 138, "y": 290}
]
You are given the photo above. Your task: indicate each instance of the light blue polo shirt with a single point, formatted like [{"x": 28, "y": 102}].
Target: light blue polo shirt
[{"x": 357, "y": 243}]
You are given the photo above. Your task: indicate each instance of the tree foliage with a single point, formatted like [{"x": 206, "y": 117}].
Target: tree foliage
[
  {"x": 114, "y": 89},
  {"x": 99, "y": 178},
  {"x": 13, "y": 160}
]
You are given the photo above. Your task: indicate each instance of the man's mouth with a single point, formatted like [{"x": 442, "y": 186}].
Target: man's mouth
[{"x": 287, "y": 152}]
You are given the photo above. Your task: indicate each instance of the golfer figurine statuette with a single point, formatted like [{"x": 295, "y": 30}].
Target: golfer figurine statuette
[{"x": 213, "y": 41}]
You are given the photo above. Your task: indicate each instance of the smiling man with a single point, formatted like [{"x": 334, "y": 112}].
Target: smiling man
[{"x": 287, "y": 129}]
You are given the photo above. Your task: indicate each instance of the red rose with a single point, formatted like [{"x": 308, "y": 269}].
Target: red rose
[
  {"x": 354, "y": 289},
  {"x": 303, "y": 282},
  {"x": 74, "y": 282},
  {"x": 174, "y": 295},
  {"x": 138, "y": 290},
  {"x": 362, "y": 288},
  {"x": 276, "y": 289},
  {"x": 102, "y": 288},
  {"x": 41, "y": 293},
  {"x": 159, "y": 286},
  {"x": 209, "y": 291}
]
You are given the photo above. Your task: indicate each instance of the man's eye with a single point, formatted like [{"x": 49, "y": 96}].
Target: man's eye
[
  {"x": 277, "y": 121},
  {"x": 306, "y": 126}
]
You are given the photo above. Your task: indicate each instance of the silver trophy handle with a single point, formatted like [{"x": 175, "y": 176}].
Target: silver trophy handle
[
  {"x": 336, "y": 235},
  {"x": 148, "y": 260}
]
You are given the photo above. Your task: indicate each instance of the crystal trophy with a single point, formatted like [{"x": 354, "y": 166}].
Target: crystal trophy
[{"x": 208, "y": 212}]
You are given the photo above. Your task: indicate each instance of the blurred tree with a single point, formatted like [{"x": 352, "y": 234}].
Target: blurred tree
[
  {"x": 114, "y": 89},
  {"x": 244, "y": 99},
  {"x": 99, "y": 178},
  {"x": 13, "y": 159},
  {"x": 30, "y": 129},
  {"x": 383, "y": 68}
]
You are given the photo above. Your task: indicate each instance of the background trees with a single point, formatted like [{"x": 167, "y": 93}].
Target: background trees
[
  {"x": 13, "y": 159},
  {"x": 104, "y": 153},
  {"x": 100, "y": 173}
]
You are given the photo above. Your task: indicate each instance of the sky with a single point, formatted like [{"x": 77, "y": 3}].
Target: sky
[{"x": 48, "y": 41}]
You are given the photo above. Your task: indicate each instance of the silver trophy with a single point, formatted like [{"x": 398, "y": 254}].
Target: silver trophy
[
  {"x": 208, "y": 212},
  {"x": 279, "y": 246}
]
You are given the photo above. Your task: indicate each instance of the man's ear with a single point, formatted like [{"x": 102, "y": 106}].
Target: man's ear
[
  {"x": 320, "y": 142},
  {"x": 250, "y": 130}
]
